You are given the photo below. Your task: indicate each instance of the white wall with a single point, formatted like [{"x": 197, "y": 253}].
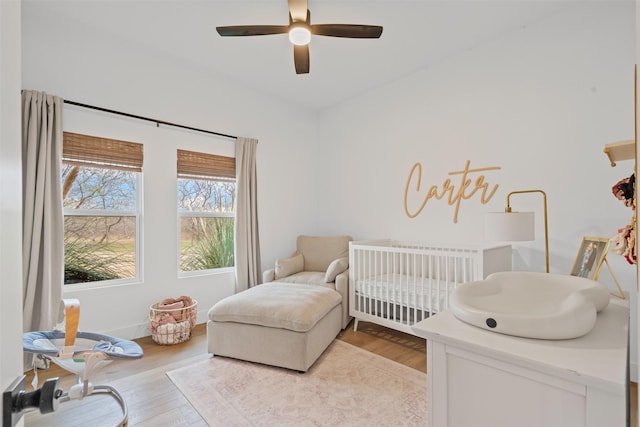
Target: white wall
[
  {"x": 540, "y": 104},
  {"x": 10, "y": 196},
  {"x": 76, "y": 63}
]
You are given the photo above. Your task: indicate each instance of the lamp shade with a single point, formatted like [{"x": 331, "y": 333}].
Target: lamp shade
[{"x": 509, "y": 226}]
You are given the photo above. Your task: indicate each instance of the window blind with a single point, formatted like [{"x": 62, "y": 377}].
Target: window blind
[
  {"x": 192, "y": 164},
  {"x": 93, "y": 151}
]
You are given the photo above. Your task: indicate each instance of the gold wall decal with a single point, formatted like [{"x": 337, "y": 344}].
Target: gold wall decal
[{"x": 447, "y": 188}]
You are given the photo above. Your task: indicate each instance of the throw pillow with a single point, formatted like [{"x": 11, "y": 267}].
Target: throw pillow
[
  {"x": 288, "y": 266},
  {"x": 336, "y": 267}
]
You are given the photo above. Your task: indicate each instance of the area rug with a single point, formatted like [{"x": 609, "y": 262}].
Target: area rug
[{"x": 347, "y": 386}]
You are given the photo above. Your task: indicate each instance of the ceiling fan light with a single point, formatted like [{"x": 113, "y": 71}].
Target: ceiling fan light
[{"x": 299, "y": 36}]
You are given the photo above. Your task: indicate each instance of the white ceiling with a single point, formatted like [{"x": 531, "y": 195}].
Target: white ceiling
[{"x": 416, "y": 35}]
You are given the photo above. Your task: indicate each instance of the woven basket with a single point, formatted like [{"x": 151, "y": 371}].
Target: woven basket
[{"x": 172, "y": 326}]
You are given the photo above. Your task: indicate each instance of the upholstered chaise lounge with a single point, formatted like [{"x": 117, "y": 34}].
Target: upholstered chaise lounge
[
  {"x": 318, "y": 260},
  {"x": 288, "y": 322}
]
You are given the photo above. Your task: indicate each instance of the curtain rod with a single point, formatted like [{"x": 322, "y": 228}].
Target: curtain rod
[{"x": 157, "y": 122}]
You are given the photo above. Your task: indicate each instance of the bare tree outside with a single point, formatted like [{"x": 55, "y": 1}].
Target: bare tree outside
[
  {"x": 100, "y": 223},
  {"x": 206, "y": 208}
]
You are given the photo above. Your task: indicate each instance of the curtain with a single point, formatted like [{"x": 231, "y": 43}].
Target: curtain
[
  {"x": 43, "y": 221},
  {"x": 247, "y": 256}
]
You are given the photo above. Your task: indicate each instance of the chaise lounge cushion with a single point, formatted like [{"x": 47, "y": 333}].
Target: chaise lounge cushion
[
  {"x": 288, "y": 266},
  {"x": 307, "y": 278},
  {"x": 336, "y": 267},
  {"x": 291, "y": 306}
]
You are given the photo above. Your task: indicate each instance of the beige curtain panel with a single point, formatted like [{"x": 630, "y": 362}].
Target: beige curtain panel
[
  {"x": 43, "y": 223},
  {"x": 247, "y": 256}
]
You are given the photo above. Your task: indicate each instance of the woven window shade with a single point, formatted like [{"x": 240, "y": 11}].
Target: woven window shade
[
  {"x": 193, "y": 164},
  {"x": 93, "y": 151}
]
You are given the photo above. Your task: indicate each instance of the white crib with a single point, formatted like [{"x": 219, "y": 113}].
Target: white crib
[{"x": 396, "y": 284}]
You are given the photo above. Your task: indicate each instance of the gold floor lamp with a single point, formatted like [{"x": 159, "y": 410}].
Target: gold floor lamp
[{"x": 516, "y": 226}]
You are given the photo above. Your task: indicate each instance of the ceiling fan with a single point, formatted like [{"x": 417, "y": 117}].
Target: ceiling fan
[{"x": 300, "y": 31}]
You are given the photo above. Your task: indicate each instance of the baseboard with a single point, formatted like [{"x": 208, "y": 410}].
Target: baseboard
[{"x": 633, "y": 372}]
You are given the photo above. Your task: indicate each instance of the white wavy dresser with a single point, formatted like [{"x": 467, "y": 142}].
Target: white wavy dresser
[{"x": 481, "y": 378}]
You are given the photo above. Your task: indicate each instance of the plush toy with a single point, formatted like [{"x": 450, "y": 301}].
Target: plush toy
[
  {"x": 625, "y": 243},
  {"x": 625, "y": 190}
]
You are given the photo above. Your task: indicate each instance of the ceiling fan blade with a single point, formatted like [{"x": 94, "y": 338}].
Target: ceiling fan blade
[
  {"x": 252, "y": 30},
  {"x": 347, "y": 30},
  {"x": 301, "y": 58},
  {"x": 298, "y": 10}
]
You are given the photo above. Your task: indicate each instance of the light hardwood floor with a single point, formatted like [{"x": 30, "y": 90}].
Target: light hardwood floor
[{"x": 153, "y": 400}]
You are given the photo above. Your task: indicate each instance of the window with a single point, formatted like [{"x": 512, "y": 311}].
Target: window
[
  {"x": 101, "y": 198},
  {"x": 206, "y": 210}
]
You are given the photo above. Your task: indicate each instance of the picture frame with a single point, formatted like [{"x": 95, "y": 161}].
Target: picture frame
[{"x": 591, "y": 255}]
